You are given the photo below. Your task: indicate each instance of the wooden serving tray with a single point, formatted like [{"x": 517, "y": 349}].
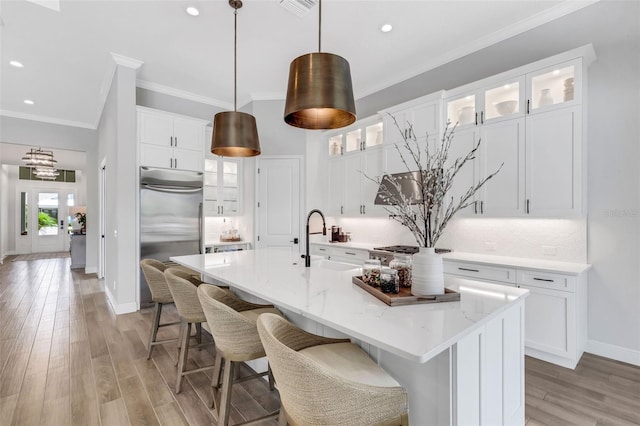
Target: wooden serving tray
[{"x": 404, "y": 297}]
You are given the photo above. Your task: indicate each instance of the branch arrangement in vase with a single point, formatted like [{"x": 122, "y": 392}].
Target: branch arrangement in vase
[{"x": 419, "y": 199}]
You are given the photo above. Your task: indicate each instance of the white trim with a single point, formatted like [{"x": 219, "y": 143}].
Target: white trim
[
  {"x": 617, "y": 353},
  {"x": 126, "y": 61},
  {"x": 45, "y": 119},
  {"x": 155, "y": 87},
  {"x": 91, "y": 270},
  {"x": 124, "y": 308},
  {"x": 512, "y": 30},
  {"x": 104, "y": 91}
]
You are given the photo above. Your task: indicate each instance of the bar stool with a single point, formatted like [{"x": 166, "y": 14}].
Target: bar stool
[
  {"x": 183, "y": 287},
  {"x": 153, "y": 271},
  {"x": 233, "y": 325},
  {"x": 328, "y": 381}
]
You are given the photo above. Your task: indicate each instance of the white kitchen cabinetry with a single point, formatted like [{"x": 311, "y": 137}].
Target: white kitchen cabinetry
[
  {"x": 530, "y": 119},
  {"x": 169, "y": 140},
  {"x": 555, "y": 311},
  {"x": 358, "y": 158},
  {"x": 222, "y": 187}
]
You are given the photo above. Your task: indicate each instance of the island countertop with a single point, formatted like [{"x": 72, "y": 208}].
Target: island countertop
[{"x": 324, "y": 293}]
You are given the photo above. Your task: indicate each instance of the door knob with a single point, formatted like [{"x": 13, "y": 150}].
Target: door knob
[{"x": 294, "y": 241}]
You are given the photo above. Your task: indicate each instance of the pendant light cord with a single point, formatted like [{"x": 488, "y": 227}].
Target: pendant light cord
[
  {"x": 235, "y": 59},
  {"x": 320, "y": 26}
]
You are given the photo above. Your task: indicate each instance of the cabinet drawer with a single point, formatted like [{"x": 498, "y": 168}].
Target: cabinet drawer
[
  {"x": 481, "y": 272},
  {"x": 357, "y": 256},
  {"x": 546, "y": 280},
  {"x": 319, "y": 250}
]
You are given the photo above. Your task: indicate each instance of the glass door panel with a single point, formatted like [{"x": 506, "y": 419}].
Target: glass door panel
[
  {"x": 230, "y": 187},
  {"x": 462, "y": 110},
  {"x": 353, "y": 140},
  {"x": 502, "y": 101},
  {"x": 374, "y": 134},
  {"x": 48, "y": 213},
  {"x": 553, "y": 87},
  {"x": 335, "y": 145}
]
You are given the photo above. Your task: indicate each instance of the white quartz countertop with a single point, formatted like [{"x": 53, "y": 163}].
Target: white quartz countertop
[
  {"x": 218, "y": 243},
  {"x": 327, "y": 296},
  {"x": 514, "y": 262}
]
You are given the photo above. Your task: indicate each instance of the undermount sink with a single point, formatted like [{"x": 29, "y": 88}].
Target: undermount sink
[{"x": 330, "y": 264}]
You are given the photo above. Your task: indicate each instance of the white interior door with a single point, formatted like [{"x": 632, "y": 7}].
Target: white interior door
[{"x": 278, "y": 204}]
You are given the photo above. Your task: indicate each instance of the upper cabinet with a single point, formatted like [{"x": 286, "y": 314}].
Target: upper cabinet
[
  {"x": 355, "y": 161},
  {"x": 169, "y": 140},
  {"x": 529, "y": 122},
  {"x": 222, "y": 186}
]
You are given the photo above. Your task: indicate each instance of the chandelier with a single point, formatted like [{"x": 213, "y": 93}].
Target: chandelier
[{"x": 43, "y": 163}]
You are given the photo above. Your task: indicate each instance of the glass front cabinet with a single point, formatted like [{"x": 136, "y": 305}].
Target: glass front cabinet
[{"x": 222, "y": 187}]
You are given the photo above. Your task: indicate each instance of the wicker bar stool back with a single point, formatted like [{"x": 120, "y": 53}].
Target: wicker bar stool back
[
  {"x": 153, "y": 271},
  {"x": 183, "y": 287},
  {"x": 324, "y": 381},
  {"x": 232, "y": 322}
]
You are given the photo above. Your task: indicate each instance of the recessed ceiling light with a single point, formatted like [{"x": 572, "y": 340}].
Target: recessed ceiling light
[
  {"x": 386, "y": 28},
  {"x": 16, "y": 64},
  {"x": 29, "y": 102},
  {"x": 193, "y": 11}
]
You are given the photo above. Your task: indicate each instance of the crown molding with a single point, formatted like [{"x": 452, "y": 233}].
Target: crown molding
[
  {"x": 45, "y": 119},
  {"x": 155, "y": 87},
  {"x": 125, "y": 61},
  {"x": 544, "y": 17}
]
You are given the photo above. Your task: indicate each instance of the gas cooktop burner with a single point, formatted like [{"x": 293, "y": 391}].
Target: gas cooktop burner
[{"x": 407, "y": 249}]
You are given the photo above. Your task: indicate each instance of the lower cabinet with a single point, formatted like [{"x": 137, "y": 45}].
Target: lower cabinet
[
  {"x": 555, "y": 311},
  {"x": 340, "y": 254}
]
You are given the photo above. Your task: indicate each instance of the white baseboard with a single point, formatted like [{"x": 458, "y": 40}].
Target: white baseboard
[
  {"x": 122, "y": 308},
  {"x": 618, "y": 353},
  {"x": 91, "y": 270}
]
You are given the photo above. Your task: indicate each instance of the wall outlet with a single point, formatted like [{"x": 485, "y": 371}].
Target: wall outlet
[
  {"x": 550, "y": 250},
  {"x": 490, "y": 246}
]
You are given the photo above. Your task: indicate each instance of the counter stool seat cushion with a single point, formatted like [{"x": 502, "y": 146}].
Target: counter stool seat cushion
[{"x": 349, "y": 362}]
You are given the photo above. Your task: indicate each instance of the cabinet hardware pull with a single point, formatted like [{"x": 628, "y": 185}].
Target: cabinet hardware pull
[
  {"x": 527, "y": 207},
  {"x": 363, "y": 209},
  {"x": 341, "y": 209},
  {"x": 222, "y": 209},
  {"x": 175, "y": 141},
  {"x": 171, "y": 140},
  {"x": 481, "y": 207},
  {"x": 348, "y": 252},
  {"x": 175, "y": 163},
  {"x": 321, "y": 249},
  {"x": 476, "y": 118},
  {"x": 467, "y": 269},
  {"x": 482, "y": 117},
  {"x": 528, "y": 105},
  {"x": 475, "y": 207},
  {"x": 543, "y": 279}
]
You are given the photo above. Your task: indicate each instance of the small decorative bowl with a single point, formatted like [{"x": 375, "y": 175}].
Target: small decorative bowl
[{"x": 506, "y": 107}]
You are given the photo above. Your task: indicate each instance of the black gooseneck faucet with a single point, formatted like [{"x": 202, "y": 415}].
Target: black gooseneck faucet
[{"x": 307, "y": 258}]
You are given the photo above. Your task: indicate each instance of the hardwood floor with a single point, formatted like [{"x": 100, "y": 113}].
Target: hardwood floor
[{"x": 66, "y": 359}]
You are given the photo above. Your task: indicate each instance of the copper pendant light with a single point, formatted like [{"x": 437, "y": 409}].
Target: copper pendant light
[
  {"x": 235, "y": 133},
  {"x": 320, "y": 93}
]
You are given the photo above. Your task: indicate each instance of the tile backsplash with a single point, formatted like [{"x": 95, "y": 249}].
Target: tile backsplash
[{"x": 552, "y": 239}]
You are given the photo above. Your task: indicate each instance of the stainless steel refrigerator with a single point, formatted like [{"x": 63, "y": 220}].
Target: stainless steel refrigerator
[{"x": 170, "y": 217}]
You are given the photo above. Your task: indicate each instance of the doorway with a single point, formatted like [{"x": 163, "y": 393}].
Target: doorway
[
  {"x": 278, "y": 203},
  {"x": 43, "y": 218}
]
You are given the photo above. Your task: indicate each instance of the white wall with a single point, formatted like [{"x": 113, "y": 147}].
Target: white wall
[{"x": 613, "y": 219}]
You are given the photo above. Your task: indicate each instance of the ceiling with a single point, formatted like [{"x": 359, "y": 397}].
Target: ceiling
[{"x": 67, "y": 52}]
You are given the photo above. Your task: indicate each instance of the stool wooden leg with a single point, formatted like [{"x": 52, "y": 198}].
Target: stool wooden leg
[
  {"x": 199, "y": 334},
  {"x": 184, "y": 352},
  {"x": 225, "y": 402},
  {"x": 215, "y": 379},
  {"x": 154, "y": 327}
]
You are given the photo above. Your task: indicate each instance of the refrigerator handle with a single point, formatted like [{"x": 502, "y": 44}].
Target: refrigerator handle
[
  {"x": 171, "y": 189},
  {"x": 201, "y": 230}
]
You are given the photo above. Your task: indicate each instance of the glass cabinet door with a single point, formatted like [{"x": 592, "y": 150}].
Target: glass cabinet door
[
  {"x": 503, "y": 100},
  {"x": 373, "y": 134},
  {"x": 554, "y": 87},
  {"x": 210, "y": 189},
  {"x": 335, "y": 145},
  {"x": 462, "y": 110},
  {"x": 352, "y": 140},
  {"x": 230, "y": 187}
]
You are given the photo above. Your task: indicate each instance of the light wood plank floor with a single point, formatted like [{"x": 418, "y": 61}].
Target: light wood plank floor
[{"x": 66, "y": 359}]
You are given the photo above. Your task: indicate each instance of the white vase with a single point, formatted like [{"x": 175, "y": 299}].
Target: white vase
[{"x": 427, "y": 275}]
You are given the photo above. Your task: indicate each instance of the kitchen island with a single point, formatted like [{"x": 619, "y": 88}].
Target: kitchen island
[{"x": 461, "y": 362}]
